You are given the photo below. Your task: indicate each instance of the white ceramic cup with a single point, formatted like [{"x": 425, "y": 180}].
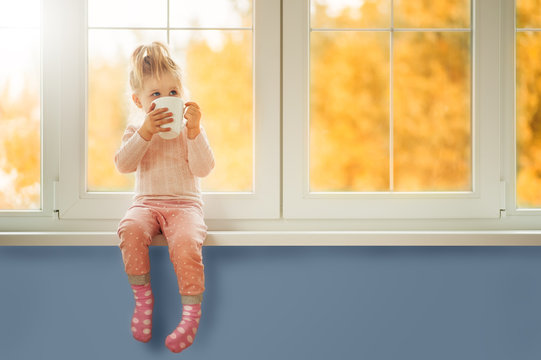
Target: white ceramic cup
[{"x": 174, "y": 105}]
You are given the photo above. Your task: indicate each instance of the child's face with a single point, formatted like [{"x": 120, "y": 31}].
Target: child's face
[{"x": 153, "y": 89}]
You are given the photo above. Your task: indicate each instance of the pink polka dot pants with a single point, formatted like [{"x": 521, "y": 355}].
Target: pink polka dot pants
[{"x": 182, "y": 224}]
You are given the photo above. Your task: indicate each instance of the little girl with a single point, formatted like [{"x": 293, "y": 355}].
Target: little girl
[{"x": 167, "y": 194}]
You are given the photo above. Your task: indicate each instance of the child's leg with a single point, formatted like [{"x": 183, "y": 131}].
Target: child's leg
[
  {"x": 141, "y": 322},
  {"x": 136, "y": 231},
  {"x": 183, "y": 336},
  {"x": 185, "y": 234}
]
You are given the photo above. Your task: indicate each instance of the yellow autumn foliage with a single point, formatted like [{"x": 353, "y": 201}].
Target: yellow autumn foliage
[
  {"x": 220, "y": 80},
  {"x": 528, "y": 120},
  {"x": 351, "y": 105},
  {"x": 355, "y": 144},
  {"x": 20, "y": 146}
]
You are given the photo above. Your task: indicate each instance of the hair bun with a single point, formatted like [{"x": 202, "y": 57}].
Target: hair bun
[{"x": 151, "y": 60}]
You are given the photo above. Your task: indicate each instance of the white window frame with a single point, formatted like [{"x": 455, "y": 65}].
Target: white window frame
[
  {"x": 87, "y": 221},
  {"x": 50, "y": 29},
  {"x": 482, "y": 202},
  {"x": 75, "y": 202}
]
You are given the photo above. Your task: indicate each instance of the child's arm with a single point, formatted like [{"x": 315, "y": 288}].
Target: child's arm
[
  {"x": 193, "y": 117},
  {"x": 200, "y": 156},
  {"x": 133, "y": 148}
]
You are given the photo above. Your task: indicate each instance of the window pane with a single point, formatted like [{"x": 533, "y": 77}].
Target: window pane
[
  {"x": 210, "y": 13},
  {"x": 127, "y": 13},
  {"x": 109, "y": 102},
  {"x": 20, "y": 138},
  {"x": 218, "y": 76},
  {"x": 20, "y": 13},
  {"x": 528, "y": 13},
  {"x": 528, "y": 118},
  {"x": 430, "y": 138},
  {"x": 432, "y": 14},
  {"x": 431, "y": 108},
  {"x": 217, "y": 73},
  {"x": 349, "y": 111},
  {"x": 350, "y": 13}
]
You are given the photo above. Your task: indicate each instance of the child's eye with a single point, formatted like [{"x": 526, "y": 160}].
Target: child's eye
[
  {"x": 156, "y": 94},
  {"x": 173, "y": 92}
]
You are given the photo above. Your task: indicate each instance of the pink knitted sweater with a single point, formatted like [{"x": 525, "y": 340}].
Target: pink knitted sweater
[{"x": 165, "y": 169}]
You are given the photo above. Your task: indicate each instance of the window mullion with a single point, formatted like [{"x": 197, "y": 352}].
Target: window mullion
[{"x": 73, "y": 93}]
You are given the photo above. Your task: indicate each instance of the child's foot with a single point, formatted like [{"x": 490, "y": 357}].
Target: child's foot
[
  {"x": 141, "y": 322},
  {"x": 183, "y": 336}
]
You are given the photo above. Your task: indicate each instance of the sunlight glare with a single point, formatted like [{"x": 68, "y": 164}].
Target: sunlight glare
[
  {"x": 23, "y": 62},
  {"x": 335, "y": 7},
  {"x": 19, "y": 13},
  {"x": 223, "y": 14}
]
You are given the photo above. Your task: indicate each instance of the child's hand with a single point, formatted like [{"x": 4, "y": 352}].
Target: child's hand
[
  {"x": 153, "y": 122},
  {"x": 193, "y": 115}
]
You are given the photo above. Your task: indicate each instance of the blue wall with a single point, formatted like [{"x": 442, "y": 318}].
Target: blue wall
[{"x": 281, "y": 303}]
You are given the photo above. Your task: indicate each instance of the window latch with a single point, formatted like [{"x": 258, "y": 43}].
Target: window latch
[{"x": 503, "y": 195}]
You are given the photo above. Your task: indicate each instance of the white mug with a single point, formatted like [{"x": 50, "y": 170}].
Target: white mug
[{"x": 174, "y": 105}]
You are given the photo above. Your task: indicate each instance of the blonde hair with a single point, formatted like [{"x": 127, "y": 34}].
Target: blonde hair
[{"x": 151, "y": 60}]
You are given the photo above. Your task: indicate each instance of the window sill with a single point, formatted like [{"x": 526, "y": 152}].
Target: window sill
[{"x": 294, "y": 238}]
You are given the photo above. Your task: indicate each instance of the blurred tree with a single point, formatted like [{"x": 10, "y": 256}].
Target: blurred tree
[
  {"x": 107, "y": 120},
  {"x": 431, "y": 112},
  {"x": 349, "y": 104},
  {"x": 432, "y": 14},
  {"x": 528, "y": 13},
  {"x": 220, "y": 80},
  {"x": 20, "y": 146},
  {"x": 349, "y": 127},
  {"x": 528, "y": 104},
  {"x": 367, "y": 14},
  {"x": 349, "y": 101}
]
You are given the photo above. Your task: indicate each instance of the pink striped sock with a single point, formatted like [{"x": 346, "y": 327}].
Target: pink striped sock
[
  {"x": 141, "y": 322},
  {"x": 183, "y": 336}
]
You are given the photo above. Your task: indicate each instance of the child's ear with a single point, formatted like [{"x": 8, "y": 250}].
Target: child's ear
[{"x": 136, "y": 100}]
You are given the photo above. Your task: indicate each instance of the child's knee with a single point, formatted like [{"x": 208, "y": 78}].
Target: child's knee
[
  {"x": 186, "y": 248},
  {"x": 130, "y": 231}
]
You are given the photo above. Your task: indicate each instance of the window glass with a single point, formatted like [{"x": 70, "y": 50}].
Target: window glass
[
  {"x": 109, "y": 102},
  {"x": 350, "y": 13},
  {"x": 217, "y": 74},
  {"x": 20, "y": 118},
  {"x": 390, "y": 108},
  {"x": 432, "y": 14},
  {"x": 528, "y": 103},
  {"x": 431, "y": 111},
  {"x": 528, "y": 13},
  {"x": 349, "y": 111},
  {"x": 210, "y": 13},
  {"x": 127, "y": 13}
]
